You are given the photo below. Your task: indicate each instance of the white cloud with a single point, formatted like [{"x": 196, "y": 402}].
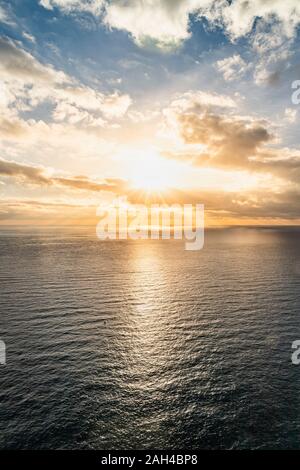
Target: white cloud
[
  {"x": 290, "y": 115},
  {"x": 29, "y": 37},
  {"x": 26, "y": 83},
  {"x": 200, "y": 99},
  {"x": 92, "y": 6},
  {"x": 73, "y": 133},
  {"x": 111, "y": 106},
  {"x": 83, "y": 105},
  {"x": 4, "y": 18},
  {"x": 271, "y": 64},
  {"x": 270, "y": 25},
  {"x": 73, "y": 115},
  {"x": 271, "y": 39},
  {"x": 232, "y": 67},
  {"x": 238, "y": 17},
  {"x": 166, "y": 22}
]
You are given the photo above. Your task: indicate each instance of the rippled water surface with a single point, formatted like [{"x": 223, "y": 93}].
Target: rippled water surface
[{"x": 141, "y": 344}]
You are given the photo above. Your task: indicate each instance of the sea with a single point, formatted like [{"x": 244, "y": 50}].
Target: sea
[{"x": 140, "y": 344}]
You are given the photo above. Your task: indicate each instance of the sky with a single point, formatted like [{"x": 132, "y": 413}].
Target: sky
[{"x": 170, "y": 101}]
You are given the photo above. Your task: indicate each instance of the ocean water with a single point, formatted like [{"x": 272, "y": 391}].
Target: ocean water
[{"x": 141, "y": 344}]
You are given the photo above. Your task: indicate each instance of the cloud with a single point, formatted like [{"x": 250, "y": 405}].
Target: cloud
[
  {"x": 252, "y": 206},
  {"x": 30, "y": 211},
  {"x": 223, "y": 205},
  {"x": 272, "y": 51},
  {"x": 3, "y": 15},
  {"x": 73, "y": 144},
  {"x": 17, "y": 64},
  {"x": 167, "y": 22},
  {"x": 86, "y": 184},
  {"x": 75, "y": 122},
  {"x": 238, "y": 17},
  {"x": 164, "y": 22},
  {"x": 216, "y": 137},
  {"x": 25, "y": 172},
  {"x": 27, "y": 83},
  {"x": 196, "y": 102},
  {"x": 161, "y": 22},
  {"x": 40, "y": 176},
  {"x": 85, "y": 105},
  {"x": 65, "y": 112},
  {"x": 270, "y": 27},
  {"x": 29, "y": 37},
  {"x": 220, "y": 206},
  {"x": 232, "y": 68},
  {"x": 92, "y": 6},
  {"x": 290, "y": 115},
  {"x": 227, "y": 141}
]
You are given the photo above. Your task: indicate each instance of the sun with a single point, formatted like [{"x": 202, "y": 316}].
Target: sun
[{"x": 151, "y": 173}]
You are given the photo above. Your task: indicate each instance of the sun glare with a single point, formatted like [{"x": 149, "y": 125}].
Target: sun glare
[{"x": 152, "y": 173}]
